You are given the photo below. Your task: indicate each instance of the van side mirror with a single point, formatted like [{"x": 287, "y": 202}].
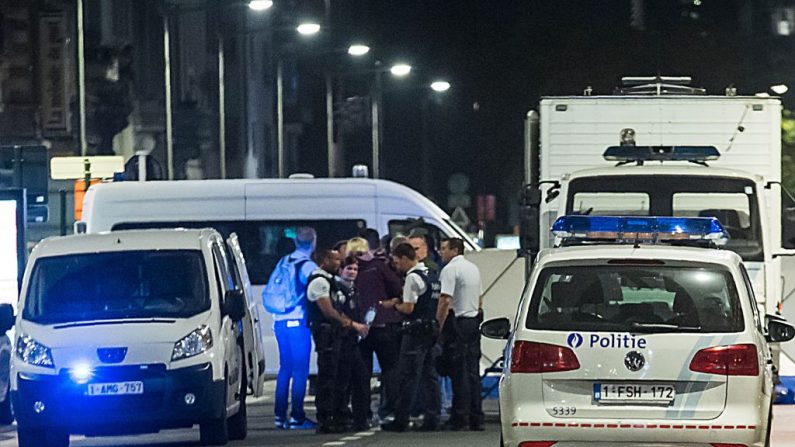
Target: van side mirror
[
  {"x": 80, "y": 227},
  {"x": 778, "y": 330},
  {"x": 234, "y": 305},
  {"x": 498, "y": 328},
  {"x": 6, "y": 318}
]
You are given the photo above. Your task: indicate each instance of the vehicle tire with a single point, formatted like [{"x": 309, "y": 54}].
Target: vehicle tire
[
  {"x": 41, "y": 437},
  {"x": 6, "y": 414},
  {"x": 769, "y": 426},
  {"x": 216, "y": 431},
  {"x": 238, "y": 423}
]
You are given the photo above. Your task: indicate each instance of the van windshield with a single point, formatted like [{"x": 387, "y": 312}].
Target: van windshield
[
  {"x": 112, "y": 285},
  {"x": 731, "y": 200},
  {"x": 635, "y": 298}
]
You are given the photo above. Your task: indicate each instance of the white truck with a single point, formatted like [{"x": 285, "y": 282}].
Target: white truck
[{"x": 663, "y": 162}]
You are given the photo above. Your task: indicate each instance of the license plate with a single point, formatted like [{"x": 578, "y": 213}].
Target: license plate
[
  {"x": 634, "y": 392},
  {"x": 115, "y": 389}
]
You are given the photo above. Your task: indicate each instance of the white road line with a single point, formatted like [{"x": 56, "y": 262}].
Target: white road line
[
  {"x": 334, "y": 443},
  {"x": 365, "y": 433},
  {"x": 351, "y": 438}
]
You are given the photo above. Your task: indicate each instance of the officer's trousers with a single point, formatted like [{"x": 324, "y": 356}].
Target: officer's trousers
[{"x": 416, "y": 375}]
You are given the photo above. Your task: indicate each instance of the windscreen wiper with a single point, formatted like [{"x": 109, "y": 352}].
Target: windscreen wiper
[{"x": 664, "y": 327}]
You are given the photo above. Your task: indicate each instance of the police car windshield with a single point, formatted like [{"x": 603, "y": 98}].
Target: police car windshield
[
  {"x": 635, "y": 298},
  {"x": 114, "y": 285},
  {"x": 732, "y": 201}
]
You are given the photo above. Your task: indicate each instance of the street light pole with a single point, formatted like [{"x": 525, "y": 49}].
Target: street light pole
[
  {"x": 376, "y": 120},
  {"x": 167, "y": 74},
  {"x": 81, "y": 77},
  {"x": 279, "y": 117},
  {"x": 221, "y": 107},
  {"x": 330, "y": 149}
]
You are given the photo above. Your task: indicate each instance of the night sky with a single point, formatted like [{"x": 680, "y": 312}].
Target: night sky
[{"x": 502, "y": 56}]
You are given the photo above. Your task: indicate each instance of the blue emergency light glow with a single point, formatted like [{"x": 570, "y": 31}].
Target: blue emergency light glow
[
  {"x": 81, "y": 373},
  {"x": 626, "y": 154},
  {"x": 596, "y": 229}
]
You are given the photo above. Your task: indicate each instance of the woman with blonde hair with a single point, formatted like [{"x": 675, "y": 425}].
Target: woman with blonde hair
[{"x": 358, "y": 246}]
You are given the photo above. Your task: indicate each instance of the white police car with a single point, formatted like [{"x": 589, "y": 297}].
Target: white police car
[{"x": 622, "y": 340}]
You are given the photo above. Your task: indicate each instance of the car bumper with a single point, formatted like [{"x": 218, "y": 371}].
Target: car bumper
[
  {"x": 570, "y": 433},
  {"x": 62, "y": 402}
]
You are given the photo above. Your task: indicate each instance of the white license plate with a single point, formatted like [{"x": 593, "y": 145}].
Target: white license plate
[
  {"x": 634, "y": 392},
  {"x": 115, "y": 389}
]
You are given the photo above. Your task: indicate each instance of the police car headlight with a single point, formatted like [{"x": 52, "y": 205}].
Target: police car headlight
[
  {"x": 32, "y": 352},
  {"x": 193, "y": 344}
]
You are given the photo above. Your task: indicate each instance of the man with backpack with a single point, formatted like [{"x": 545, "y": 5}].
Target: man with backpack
[
  {"x": 285, "y": 297},
  {"x": 417, "y": 363}
]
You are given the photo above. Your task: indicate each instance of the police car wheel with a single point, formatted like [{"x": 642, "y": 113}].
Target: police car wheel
[{"x": 769, "y": 426}]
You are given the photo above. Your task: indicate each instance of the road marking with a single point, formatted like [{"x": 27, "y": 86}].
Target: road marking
[
  {"x": 334, "y": 443},
  {"x": 351, "y": 438},
  {"x": 366, "y": 433}
]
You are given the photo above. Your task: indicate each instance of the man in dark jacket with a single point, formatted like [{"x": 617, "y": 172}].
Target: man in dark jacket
[{"x": 378, "y": 282}]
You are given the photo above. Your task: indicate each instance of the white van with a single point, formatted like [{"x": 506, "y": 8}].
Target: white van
[
  {"x": 133, "y": 332},
  {"x": 265, "y": 212}
]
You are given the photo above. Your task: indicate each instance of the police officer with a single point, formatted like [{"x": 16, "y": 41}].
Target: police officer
[
  {"x": 328, "y": 324},
  {"x": 416, "y": 363},
  {"x": 462, "y": 292}
]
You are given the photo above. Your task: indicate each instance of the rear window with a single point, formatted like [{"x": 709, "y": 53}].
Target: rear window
[{"x": 635, "y": 298}]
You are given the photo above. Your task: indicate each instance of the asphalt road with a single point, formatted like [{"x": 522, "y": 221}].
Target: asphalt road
[{"x": 262, "y": 433}]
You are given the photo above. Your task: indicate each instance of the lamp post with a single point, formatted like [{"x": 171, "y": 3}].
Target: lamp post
[
  {"x": 439, "y": 87},
  {"x": 377, "y": 130},
  {"x": 307, "y": 29}
]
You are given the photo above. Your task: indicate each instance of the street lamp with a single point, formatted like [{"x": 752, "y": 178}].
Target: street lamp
[
  {"x": 308, "y": 28},
  {"x": 779, "y": 89},
  {"x": 260, "y": 5},
  {"x": 400, "y": 70},
  {"x": 440, "y": 86},
  {"x": 357, "y": 50}
]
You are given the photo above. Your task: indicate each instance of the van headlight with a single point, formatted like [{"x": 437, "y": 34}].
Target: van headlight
[
  {"x": 193, "y": 344},
  {"x": 32, "y": 352}
]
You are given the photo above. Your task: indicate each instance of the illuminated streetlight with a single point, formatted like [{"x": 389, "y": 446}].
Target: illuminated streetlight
[
  {"x": 779, "y": 89},
  {"x": 260, "y": 5},
  {"x": 400, "y": 69},
  {"x": 440, "y": 86},
  {"x": 358, "y": 50},
  {"x": 308, "y": 28}
]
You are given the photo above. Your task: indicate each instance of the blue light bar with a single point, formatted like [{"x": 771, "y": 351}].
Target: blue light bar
[
  {"x": 595, "y": 229},
  {"x": 698, "y": 154}
]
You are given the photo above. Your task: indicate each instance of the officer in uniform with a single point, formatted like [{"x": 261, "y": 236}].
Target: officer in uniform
[
  {"x": 329, "y": 324},
  {"x": 416, "y": 363}
]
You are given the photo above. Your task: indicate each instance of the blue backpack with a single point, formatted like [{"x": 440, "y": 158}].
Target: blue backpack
[{"x": 284, "y": 291}]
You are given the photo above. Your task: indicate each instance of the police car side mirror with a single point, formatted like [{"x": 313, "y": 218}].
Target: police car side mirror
[
  {"x": 6, "y": 318},
  {"x": 778, "y": 330},
  {"x": 498, "y": 328},
  {"x": 234, "y": 305}
]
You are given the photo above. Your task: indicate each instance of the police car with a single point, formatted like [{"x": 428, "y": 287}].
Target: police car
[{"x": 633, "y": 333}]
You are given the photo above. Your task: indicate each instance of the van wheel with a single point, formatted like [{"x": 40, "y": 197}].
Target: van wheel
[
  {"x": 216, "y": 431},
  {"x": 238, "y": 424},
  {"x": 49, "y": 437},
  {"x": 6, "y": 415}
]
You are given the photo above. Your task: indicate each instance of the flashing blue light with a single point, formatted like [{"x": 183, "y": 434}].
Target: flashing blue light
[
  {"x": 625, "y": 154},
  {"x": 81, "y": 373},
  {"x": 635, "y": 229}
]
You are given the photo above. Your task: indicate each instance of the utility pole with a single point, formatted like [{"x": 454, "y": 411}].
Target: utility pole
[
  {"x": 376, "y": 120},
  {"x": 330, "y": 149}
]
